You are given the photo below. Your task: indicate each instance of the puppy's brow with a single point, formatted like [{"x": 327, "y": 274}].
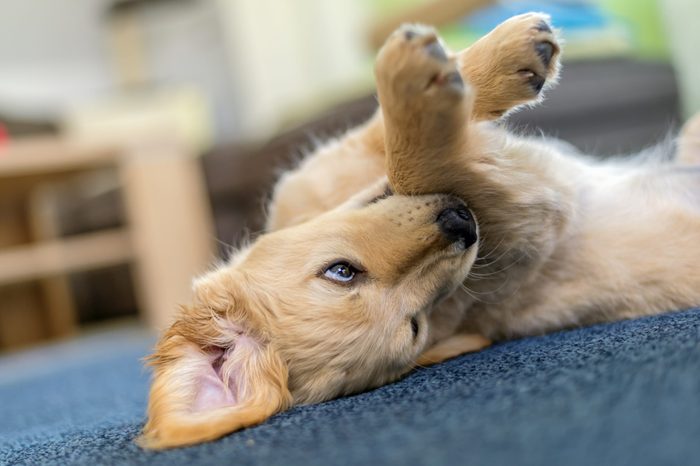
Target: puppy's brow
[{"x": 387, "y": 193}]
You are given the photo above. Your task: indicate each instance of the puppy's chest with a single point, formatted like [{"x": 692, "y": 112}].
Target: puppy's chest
[{"x": 520, "y": 297}]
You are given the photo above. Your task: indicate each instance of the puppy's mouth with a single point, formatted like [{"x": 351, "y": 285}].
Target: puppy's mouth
[
  {"x": 440, "y": 296},
  {"x": 437, "y": 298},
  {"x": 415, "y": 327},
  {"x": 424, "y": 313}
]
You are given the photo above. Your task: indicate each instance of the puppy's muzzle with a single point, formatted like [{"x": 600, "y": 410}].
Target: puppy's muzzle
[{"x": 458, "y": 224}]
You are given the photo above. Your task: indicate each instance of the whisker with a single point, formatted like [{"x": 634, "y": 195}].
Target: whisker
[
  {"x": 492, "y": 249},
  {"x": 472, "y": 293},
  {"x": 505, "y": 282},
  {"x": 488, "y": 264},
  {"x": 496, "y": 272},
  {"x": 227, "y": 247},
  {"x": 475, "y": 298}
]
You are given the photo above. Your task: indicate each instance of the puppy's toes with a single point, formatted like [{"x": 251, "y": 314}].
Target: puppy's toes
[
  {"x": 545, "y": 50},
  {"x": 415, "y": 61}
]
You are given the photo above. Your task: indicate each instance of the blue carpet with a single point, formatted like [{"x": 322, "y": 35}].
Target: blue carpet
[{"x": 617, "y": 394}]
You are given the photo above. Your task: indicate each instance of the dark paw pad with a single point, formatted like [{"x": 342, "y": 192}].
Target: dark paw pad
[
  {"x": 436, "y": 51},
  {"x": 542, "y": 26},
  {"x": 454, "y": 80},
  {"x": 535, "y": 81},
  {"x": 545, "y": 50}
]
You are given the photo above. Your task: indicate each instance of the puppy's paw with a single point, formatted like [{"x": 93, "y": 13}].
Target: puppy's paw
[
  {"x": 515, "y": 62},
  {"x": 414, "y": 64},
  {"x": 453, "y": 346},
  {"x": 536, "y": 53}
]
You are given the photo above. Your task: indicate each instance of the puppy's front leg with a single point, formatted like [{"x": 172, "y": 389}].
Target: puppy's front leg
[
  {"x": 504, "y": 69},
  {"x": 426, "y": 106},
  {"x": 434, "y": 145}
]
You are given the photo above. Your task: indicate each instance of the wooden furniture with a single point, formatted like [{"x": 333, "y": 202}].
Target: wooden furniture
[{"x": 168, "y": 236}]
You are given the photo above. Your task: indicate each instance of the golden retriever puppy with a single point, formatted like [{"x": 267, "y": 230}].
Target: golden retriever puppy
[
  {"x": 332, "y": 306},
  {"x": 329, "y": 307},
  {"x": 358, "y": 288}
]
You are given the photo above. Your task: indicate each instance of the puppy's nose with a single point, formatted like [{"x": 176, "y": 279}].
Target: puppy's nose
[{"x": 458, "y": 224}]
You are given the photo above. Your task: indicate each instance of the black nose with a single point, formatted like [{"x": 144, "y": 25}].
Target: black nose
[{"x": 458, "y": 224}]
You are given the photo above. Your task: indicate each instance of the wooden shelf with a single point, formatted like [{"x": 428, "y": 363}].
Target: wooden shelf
[
  {"x": 48, "y": 155},
  {"x": 154, "y": 174},
  {"x": 67, "y": 255}
]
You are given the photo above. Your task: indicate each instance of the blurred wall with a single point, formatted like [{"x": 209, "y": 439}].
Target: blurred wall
[
  {"x": 293, "y": 57},
  {"x": 51, "y": 53},
  {"x": 257, "y": 63},
  {"x": 683, "y": 28}
]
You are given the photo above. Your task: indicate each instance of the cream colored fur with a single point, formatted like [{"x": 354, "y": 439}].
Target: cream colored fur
[{"x": 563, "y": 241}]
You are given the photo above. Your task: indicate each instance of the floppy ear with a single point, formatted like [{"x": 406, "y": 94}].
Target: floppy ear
[{"x": 212, "y": 376}]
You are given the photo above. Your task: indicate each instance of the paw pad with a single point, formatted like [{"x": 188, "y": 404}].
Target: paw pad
[
  {"x": 535, "y": 80},
  {"x": 545, "y": 51},
  {"x": 542, "y": 26},
  {"x": 436, "y": 50}
]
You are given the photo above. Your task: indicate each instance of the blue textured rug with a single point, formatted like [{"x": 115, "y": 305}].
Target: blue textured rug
[{"x": 624, "y": 393}]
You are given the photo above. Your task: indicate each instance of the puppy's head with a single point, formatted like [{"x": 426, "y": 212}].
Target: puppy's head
[{"x": 330, "y": 307}]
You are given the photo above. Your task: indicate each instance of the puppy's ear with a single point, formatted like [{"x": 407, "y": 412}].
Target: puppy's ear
[{"x": 212, "y": 373}]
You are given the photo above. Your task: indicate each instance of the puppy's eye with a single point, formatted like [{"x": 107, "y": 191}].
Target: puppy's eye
[{"x": 341, "y": 272}]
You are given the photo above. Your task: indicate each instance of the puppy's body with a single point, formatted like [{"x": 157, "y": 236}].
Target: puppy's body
[
  {"x": 566, "y": 239},
  {"x": 622, "y": 240},
  {"x": 352, "y": 286}
]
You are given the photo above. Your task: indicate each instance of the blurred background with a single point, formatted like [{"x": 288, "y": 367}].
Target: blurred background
[{"x": 140, "y": 138}]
